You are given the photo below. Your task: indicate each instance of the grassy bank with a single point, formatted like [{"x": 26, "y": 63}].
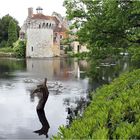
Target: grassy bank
[
  {"x": 114, "y": 112},
  {"x": 6, "y": 52}
]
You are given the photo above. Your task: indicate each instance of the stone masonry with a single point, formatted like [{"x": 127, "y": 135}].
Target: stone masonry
[{"x": 42, "y": 34}]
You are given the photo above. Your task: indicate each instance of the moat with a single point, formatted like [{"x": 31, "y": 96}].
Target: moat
[{"x": 68, "y": 86}]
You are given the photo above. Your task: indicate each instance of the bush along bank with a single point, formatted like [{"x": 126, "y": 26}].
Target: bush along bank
[
  {"x": 114, "y": 112},
  {"x": 18, "y": 50},
  {"x": 6, "y": 52}
]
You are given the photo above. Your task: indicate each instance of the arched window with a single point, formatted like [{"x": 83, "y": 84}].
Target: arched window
[
  {"x": 39, "y": 26},
  {"x": 43, "y": 25},
  {"x": 50, "y": 25},
  {"x": 47, "y": 25}
]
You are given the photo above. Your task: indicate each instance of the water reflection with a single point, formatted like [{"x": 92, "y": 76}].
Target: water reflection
[
  {"x": 7, "y": 66},
  {"x": 105, "y": 72},
  {"x": 75, "y": 110},
  {"x": 43, "y": 120},
  {"x": 59, "y": 68}
]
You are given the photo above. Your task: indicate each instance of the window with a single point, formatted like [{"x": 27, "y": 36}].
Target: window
[
  {"x": 43, "y": 25},
  {"x": 47, "y": 25},
  {"x": 54, "y": 39},
  {"x": 61, "y": 37},
  {"x": 22, "y": 35},
  {"x": 50, "y": 25},
  {"x": 29, "y": 24},
  {"x": 32, "y": 49},
  {"x": 78, "y": 48},
  {"x": 61, "y": 47}
]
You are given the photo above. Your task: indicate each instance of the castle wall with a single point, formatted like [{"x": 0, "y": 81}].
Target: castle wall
[
  {"x": 39, "y": 43},
  {"x": 56, "y": 49}
]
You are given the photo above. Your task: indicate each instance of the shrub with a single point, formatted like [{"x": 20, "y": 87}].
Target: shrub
[
  {"x": 6, "y": 50},
  {"x": 114, "y": 112},
  {"x": 135, "y": 55},
  {"x": 20, "y": 49}
]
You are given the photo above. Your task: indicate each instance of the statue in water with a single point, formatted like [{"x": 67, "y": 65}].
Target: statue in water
[{"x": 42, "y": 92}]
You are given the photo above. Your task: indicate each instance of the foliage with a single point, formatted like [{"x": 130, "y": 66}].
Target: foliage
[
  {"x": 103, "y": 24},
  {"x": 66, "y": 41},
  {"x": 4, "y": 25},
  {"x": 67, "y": 49},
  {"x": 3, "y": 44},
  {"x": 10, "y": 65},
  {"x": 135, "y": 55},
  {"x": 6, "y": 49},
  {"x": 80, "y": 56},
  {"x": 20, "y": 48},
  {"x": 114, "y": 112},
  {"x": 12, "y": 33}
]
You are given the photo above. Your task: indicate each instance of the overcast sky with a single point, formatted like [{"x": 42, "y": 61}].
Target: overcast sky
[{"x": 18, "y": 8}]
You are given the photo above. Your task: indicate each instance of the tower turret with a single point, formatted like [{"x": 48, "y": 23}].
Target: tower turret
[{"x": 39, "y": 10}]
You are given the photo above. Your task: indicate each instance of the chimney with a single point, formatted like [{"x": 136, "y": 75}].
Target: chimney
[{"x": 30, "y": 12}]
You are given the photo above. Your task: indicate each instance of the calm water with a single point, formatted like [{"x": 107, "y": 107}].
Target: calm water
[
  {"x": 18, "y": 117},
  {"x": 68, "y": 87}
]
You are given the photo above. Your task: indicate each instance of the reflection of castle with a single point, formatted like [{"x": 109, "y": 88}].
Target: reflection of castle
[
  {"x": 43, "y": 33},
  {"x": 48, "y": 68},
  {"x": 55, "y": 68}
]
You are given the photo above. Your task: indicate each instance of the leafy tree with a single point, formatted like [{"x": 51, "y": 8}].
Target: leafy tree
[
  {"x": 1, "y": 31},
  {"x": 12, "y": 33},
  {"x": 3, "y": 44},
  {"x": 102, "y": 24},
  {"x": 4, "y": 25}
]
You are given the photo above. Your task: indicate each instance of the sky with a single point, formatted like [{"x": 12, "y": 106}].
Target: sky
[{"x": 19, "y": 8}]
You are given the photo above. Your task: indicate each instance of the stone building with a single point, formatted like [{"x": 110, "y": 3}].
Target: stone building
[
  {"x": 43, "y": 33},
  {"x": 78, "y": 48}
]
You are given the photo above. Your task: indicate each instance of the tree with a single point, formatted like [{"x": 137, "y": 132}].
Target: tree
[
  {"x": 4, "y": 25},
  {"x": 103, "y": 24},
  {"x": 12, "y": 33}
]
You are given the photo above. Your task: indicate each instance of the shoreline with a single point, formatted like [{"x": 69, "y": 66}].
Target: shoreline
[{"x": 3, "y": 54}]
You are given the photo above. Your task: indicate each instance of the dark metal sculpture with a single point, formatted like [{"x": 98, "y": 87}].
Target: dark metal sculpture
[{"x": 42, "y": 92}]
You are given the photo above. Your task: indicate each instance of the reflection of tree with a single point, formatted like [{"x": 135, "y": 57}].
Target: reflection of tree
[
  {"x": 43, "y": 120},
  {"x": 77, "y": 109},
  {"x": 9, "y": 65},
  {"x": 107, "y": 70}
]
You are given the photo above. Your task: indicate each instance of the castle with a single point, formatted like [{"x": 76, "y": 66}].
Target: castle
[{"x": 43, "y": 33}]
